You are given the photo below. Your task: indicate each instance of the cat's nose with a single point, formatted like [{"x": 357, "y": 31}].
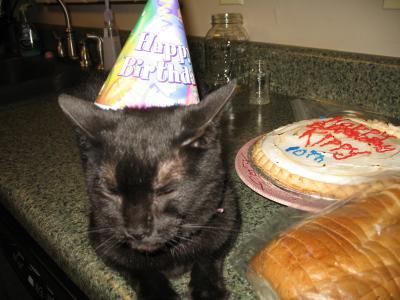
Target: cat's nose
[{"x": 138, "y": 236}]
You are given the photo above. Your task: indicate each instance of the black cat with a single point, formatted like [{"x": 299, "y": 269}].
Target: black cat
[{"x": 160, "y": 199}]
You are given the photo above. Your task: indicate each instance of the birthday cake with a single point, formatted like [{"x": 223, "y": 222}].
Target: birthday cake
[{"x": 330, "y": 158}]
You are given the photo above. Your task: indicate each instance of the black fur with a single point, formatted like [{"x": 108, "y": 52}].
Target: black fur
[{"x": 160, "y": 199}]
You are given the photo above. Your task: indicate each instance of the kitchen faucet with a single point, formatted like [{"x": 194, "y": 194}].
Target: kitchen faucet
[
  {"x": 71, "y": 48},
  {"x": 99, "y": 42}
]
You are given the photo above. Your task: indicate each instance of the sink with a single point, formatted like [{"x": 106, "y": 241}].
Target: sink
[{"x": 23, "y": 77}]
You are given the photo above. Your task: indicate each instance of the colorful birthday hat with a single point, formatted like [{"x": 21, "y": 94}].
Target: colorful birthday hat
[{"x": 154, "y": 66}]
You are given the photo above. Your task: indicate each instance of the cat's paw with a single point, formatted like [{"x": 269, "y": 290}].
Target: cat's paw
[
  {"x": 155, "y": 295},
  {"x": 209, "y": 294}
]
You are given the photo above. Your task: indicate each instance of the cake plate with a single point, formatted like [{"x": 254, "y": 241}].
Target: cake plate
[{"x": 266, "y": 188}]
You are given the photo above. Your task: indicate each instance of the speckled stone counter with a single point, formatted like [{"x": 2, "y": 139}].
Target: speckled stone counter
[
  {"x": 354, "y": 79},
  {"x": 42, "y": 185}
]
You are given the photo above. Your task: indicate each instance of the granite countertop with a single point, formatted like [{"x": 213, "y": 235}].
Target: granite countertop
[{"x": 42, "y": 185}]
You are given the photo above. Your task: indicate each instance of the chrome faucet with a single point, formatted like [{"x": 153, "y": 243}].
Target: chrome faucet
[
  {"x": 71, "y": 47},
  {"x": 85, "y": 61},
  {"x": 99, "y": 43}
]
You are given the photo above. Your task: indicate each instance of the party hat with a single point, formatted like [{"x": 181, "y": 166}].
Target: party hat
[{"x": 154, "y": 66}]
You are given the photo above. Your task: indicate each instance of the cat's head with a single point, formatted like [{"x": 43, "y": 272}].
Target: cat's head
[{"x": 153, "y": 175}]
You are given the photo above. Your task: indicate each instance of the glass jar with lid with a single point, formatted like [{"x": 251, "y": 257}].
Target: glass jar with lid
[{"x": 225, "y": 50}]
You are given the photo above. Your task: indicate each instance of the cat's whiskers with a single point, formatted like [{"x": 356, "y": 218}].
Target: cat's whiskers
[
  {"x": 105, "y": 244},
  {"x": 222, "y": 216},
  {"x": 172, "y": 243},
  {"x": 102, "y": 243},
  {"x": 97, "y": 229},
  {"x": 209, "y": 228},
  {"x": 110, "y": 246},
  {"x": 181, "y": 245},
  {"x": 180, "y": 248},
  {"x": 174, "y": 250},
  {"x": 110, "y": 229},
  {"x": 184, "y": 238},
  {"x": 92, "y": 230}
]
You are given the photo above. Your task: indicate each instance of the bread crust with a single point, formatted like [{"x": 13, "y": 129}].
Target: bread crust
[{"x": 352, "y": 252}]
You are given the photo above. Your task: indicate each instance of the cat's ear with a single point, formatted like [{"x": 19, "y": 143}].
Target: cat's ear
[
  {"x": 208, "y": 110},
  {"x": 213, "y": 104},
  {"x": 87, "y": 116}
]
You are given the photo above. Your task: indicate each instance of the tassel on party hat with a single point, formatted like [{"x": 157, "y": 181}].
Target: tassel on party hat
[{"x": 154, "y": 66}]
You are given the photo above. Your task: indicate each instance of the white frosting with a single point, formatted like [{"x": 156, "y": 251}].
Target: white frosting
[{"x": 337, "y": 159}]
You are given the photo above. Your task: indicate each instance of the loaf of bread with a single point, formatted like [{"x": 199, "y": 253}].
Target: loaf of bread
[{"x": 351, "y": 252}]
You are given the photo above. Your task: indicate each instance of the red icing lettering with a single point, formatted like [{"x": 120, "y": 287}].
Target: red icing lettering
[
  {"x": 357, "y": 132},
  {"x": 346, "y": 151}
]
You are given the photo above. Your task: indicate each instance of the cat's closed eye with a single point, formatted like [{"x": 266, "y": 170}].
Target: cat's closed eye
[
  {"x": 109, "y": 190},
  {"x": 107, "y": 181},
  {"x": 113, "y": 189},
  {"x": 201, "y": 142},
  {"x": 165, "y": 192},
  {"x": 108, "y": 185}
]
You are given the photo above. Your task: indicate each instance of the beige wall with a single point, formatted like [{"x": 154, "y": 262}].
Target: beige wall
[{"x": 349, "y": 25}]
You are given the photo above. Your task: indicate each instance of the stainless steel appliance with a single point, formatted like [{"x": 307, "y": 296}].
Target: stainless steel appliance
[{"x": 26, "y": 271}]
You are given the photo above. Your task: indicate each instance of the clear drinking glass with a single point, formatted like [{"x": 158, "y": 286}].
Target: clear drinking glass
[
  {"x": 259, "y": 81},
  {"x": 225, "y": 50}
]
